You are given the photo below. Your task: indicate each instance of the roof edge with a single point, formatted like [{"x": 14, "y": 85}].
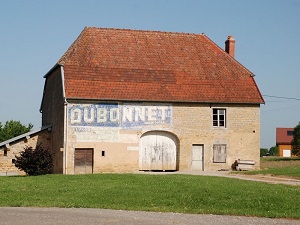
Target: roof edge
[
  {"x": 51, "y": 70},
  {"x": 161, "y": 101},
  {"x": 49, "y": 127}
]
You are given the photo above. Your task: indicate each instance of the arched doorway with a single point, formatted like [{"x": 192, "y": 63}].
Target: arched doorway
[{"x": 158, "y": 151}]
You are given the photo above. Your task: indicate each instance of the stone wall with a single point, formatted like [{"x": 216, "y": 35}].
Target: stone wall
[
  {"x": 116, "y": 145},
  {"x": 8, "y": 154},
  {"x": 53, "y": 114}
]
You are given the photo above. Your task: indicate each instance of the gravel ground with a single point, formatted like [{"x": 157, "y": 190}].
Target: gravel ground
[{"x": 57, "y": 216}]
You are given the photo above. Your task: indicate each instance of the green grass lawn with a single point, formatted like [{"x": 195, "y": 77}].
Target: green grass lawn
[
  {"x": 293, "y": 172},
  {"x": 279, "y": 166},
  {"x": 163, "y": 193}
]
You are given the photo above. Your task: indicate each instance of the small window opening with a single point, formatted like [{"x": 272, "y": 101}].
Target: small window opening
[
  {"x": 5, "y": 152},
  {"x": 219, "y": 117},
  {"x": 103, "y": 153}
]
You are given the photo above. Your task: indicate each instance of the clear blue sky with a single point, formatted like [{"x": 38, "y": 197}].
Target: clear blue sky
[{"x": 35, "y": 34}]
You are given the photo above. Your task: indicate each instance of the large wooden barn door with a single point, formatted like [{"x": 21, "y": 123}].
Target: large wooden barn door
[
  {"x": 83, "y": 161},
  {"x": 158, "y": 151}
]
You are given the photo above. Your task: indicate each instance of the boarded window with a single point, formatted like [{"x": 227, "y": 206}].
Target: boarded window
[{"x": 219, "y": 153}]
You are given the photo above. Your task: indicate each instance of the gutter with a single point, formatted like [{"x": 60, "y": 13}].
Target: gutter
[{"x": 66, "y": 119}]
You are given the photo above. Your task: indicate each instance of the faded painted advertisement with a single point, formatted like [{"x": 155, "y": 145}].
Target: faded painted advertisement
[{"x": 125, "y": 116}]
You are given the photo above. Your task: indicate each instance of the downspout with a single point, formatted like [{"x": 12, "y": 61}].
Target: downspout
[{"x": 66, "y": 119}]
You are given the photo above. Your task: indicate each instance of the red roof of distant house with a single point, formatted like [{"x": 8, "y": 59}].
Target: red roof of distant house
[
  {"x": 284, "y": 135},
  {"x": 135, "y": 65}
]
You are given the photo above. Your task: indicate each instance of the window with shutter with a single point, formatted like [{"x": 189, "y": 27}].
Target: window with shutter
[{"x": 219, "y": 153}]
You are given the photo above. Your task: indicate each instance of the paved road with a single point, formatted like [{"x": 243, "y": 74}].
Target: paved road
[{"x": 58, "y": 216}]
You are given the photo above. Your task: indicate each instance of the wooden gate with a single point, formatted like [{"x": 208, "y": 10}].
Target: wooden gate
[
  {"x": 197, "y": 158},
  {"x": 158, "y": 151},
  {"x": 83, "y": 161}
]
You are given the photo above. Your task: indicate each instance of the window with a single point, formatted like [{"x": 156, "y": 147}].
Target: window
[
  {"x": 219, "y": 116},
  {"x": 219, "y": 153},
  {"x": 289, "y": 133}
]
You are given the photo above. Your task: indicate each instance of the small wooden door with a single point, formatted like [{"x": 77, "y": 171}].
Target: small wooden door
[
  {"x": 158, "y": 151},
  {"x": 83, "y": 161},
  {"x": 197, "y": 158}
]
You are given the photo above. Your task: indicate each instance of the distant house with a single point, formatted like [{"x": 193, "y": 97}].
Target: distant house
[
  {"x": 284, "y": 137},
  {"x": 132, "y": 100}
]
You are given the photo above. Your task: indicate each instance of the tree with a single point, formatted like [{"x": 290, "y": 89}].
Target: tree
[
  {"x": 13, "y": 129},
  {"x": 35, "y": 162},
  {"x": 296, "y": 141},
  {"x": 263, "y": 152},
  {"x": 273, "y": 151}
]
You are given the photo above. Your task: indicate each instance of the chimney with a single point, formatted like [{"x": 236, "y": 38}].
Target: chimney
[{"x": 230, "y": 45}]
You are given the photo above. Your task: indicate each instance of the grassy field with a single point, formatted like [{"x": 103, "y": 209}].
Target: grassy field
[
  {"x": 278, "y": 162},
  {"x": 288, "y": 167},
  {"x": 293, "y": 172},
  {"x": 163, "y": 193}
]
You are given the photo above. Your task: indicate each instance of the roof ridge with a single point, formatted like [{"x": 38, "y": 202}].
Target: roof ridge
[{"x": 145, "y": 31}]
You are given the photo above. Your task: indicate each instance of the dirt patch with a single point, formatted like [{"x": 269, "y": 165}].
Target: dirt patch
[{"x": 268, "y": 178}]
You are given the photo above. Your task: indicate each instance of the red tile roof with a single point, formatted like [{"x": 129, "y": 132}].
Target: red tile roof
[
  {"x": 135, "y": 65},
  {"x": 282, "y": 137}
]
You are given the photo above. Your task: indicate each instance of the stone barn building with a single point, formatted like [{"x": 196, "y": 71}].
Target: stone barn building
[{"x": 131, "y": 100}]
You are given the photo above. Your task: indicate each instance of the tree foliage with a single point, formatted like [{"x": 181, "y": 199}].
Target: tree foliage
[
  {"x": 273, "y": 151},
  {"x": 35, "y": 162},
  {"x": 264, "y": 152},
  {"x": 296, "y": 141},
  {"x": 13, "y": 129}
]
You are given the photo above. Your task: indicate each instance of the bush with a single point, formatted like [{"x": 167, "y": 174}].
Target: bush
[
  {"x": 264, "y": 152},
  {"x": 36, "y": 161}
]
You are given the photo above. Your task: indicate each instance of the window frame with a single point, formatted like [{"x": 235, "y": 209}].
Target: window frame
[{"x": 219, "y": 121}]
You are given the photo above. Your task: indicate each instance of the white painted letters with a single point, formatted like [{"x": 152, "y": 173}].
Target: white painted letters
[
  {"x": 114, "y": 115},
  {"x": 76, "y": 116},
  {"x": 88, "y": 115},
  {"x": 101, "y": 115}
]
